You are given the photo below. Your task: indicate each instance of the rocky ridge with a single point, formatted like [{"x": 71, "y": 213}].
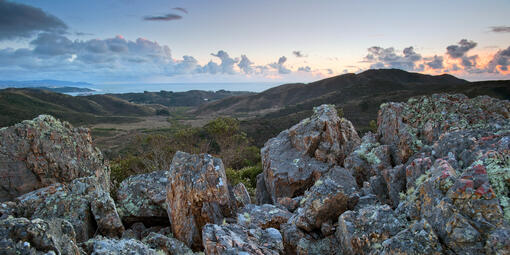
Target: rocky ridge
[{"x": 433, "y": 179}]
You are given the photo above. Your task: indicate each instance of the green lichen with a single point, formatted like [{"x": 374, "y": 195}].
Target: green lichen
[
  {"x": 247, "y": 217},
  {"x": 498, "y": 170},
  {"x": 366, "y": 151}
]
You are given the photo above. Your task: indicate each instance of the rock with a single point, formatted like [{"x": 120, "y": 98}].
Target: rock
[
  {"x": 333, "y": 194},
  {"x": 407, "y": 127},
  {"x": 363, "y": 231},
  {"x": 143, "y": 198},
  {"x": 166, "y": 244},
  {"x": 291, "y": 204},
  {"x": 261, "y": 193},
  {"x": 325, "y": 136},
  {"x": 107, "y": 246},
  {"x": 297, "y": 157},
  {"x": 419, "y": 238},
  {"x": 296, "y": 241},
  {"x": 368, "y": 159},
  {"x": 23, "y": 236},
  {"x": 241, "y": 195},
  {"x": 43, "y": 151},
  {"x": 415, "y": 169},
  {"x": 197, "y": 194},
  {"x": 263, "y": 216},
  {"x": 498, "y": 242},
  {"x": 82, "y": 202},
  {"x": 395, "y": 179},
  {"x": 234, "y": 239}
]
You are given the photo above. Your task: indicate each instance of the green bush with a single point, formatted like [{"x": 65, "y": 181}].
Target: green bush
[{"x": 246, "y": 175}]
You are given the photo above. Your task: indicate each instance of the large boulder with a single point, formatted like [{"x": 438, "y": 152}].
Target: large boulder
[
  {"x": 142, "y": 198},
  {"x": 23, "y": 236},
  {"x": 262, "y": 216},
  {"x": 82, "y": 202},
  {"x": 39, "y": 152},
  {"x": 235, "y": 239},
  {"x": 108, "y": 246},
  {"x": 197, "y": 194},
  {"x": 168, "y": 245},
  {"x": 333, "y": 194},
  {"x": 297, "y": 157}
]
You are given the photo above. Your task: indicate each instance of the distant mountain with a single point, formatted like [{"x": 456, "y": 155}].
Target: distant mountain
[
  {"x": 359, "y": 95},
  {"x": 65, "y": 89},
  {"x": 42, "y": 83}
]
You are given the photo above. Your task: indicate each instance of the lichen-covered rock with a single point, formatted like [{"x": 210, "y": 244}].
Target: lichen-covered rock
[
  {"x": 363, "y": 231},
  {"x": 168, "y": 245},
  {"x": 498, "y": 242},
  {"x": 298, "y": 242},
  {"x": 408, "y": 127},
  {"x": 108, "y": 246},
  {"x": 82, "y": 202},
  {"x": 143, "y": 197},
  {"x": 418, "y": 238},
  {"x": 297, "y": 157},
  {"x": 235, "y": 239},
  {"x": 330, "y": 196},
  {"x": 241, "y": 195},
  {"x": 23, "y": 236},
  {"x": 262, "y": 216},
  {"x": 368, "y": 159},
  {"x": 291, "y": 204},
  {"x": 197, "y": 194},
  {"x": 39, "y": 152},
  {"x": 262, "y": 196}
]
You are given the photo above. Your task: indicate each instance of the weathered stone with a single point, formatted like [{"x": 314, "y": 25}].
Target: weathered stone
[
  {"x": 415, "y": 169},
  {"x": 23, "y": 236},
  {"x": 363, "y": 231},
  {"x": 82, "y": 202},
  {"x": 143, "y": 198},
  {"x": 291, "y": 204},
  {"x": 263, "y": 216},
  {"x": 241, "y": 195},
  {"x": 333, "y": 194},
  {"x": 168, "y": 245},
  {"x": 419, "y": 238},
  {"x": 43, "y": 151},
  {"x": 235, "y": 239},
  {"x": 395, "y": 179},
  {"x": 498, "y": 242},
  {"x": 297, "y": 157},
  {"x": 197, "y": 194},
  {"x": 107, "y": 246},
  {"x": 261, "y": 193}
]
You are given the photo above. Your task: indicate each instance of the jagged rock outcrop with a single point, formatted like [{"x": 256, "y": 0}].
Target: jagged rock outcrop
[
  {"x": 262, "y": 216},
  {"x": 234, "y": 239},
  {"x": 108, "y": 246},
  {"x": 39, "y": 152},
  {"x": 82, "y": 202},
  {"x": 241, "y": 195},
  {"x": 143, "y": 198},
  {"x": 23, "y": 236},
  {"x": 297, "y": 157},
  {"x": 197, "y": 194},
  {"x": 168, "y": 245}
]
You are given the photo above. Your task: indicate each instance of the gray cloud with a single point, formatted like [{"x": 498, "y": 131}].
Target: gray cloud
[
  {"x": 167, "y": 17},
  {"x": 280, "y": 66},
  {"x": 305, "y": 69},
  {"x": 435, "y": 62},
  {"x": 227, "y": 63},
  {"x": 460, "y": 50},
  {"x": 23, "y": 21},
  {"x": 501, "y": 60},
  {"x": 298, "y": 54},
  {"x": 389, "y": 58},
  {"x": 245, "y": 65},
  {"x": 181, "y": 9},
  {"x": 500, "y": 29}
]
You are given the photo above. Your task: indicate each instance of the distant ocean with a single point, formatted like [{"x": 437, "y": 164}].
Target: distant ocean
[{"x": 175, "y": 87}]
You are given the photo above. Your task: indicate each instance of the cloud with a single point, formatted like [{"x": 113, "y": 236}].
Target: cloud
[
  {"x": 227, "y": 63},
  {"x": 435, "y": 62},
  {"x": 500, "y": 29},
  {"x": 305, "y": 69},
  {"x": 280, "y": 66},
  {"x": 501, "y": 59},
  {"x": 245, "y": 65},
  {"x": 460, "y": 50},
  {"x": 167, "y": 17},
  {"x": 181, "y": 9},
  {"x": 390, "y": 58},
  {"x": 23, "y": 21},
  {"x": 299, "y": 54}
]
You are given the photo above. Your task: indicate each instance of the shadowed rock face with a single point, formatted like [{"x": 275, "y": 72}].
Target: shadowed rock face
[
  {"x": 142, "y": 198},
  {"x": 39, "y": 152},
  {"x": 197, "y": 194},
  {"x": 297, "y": 157}
]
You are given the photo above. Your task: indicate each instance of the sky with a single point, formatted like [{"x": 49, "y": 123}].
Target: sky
[{"x": 164, "y": 41}]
